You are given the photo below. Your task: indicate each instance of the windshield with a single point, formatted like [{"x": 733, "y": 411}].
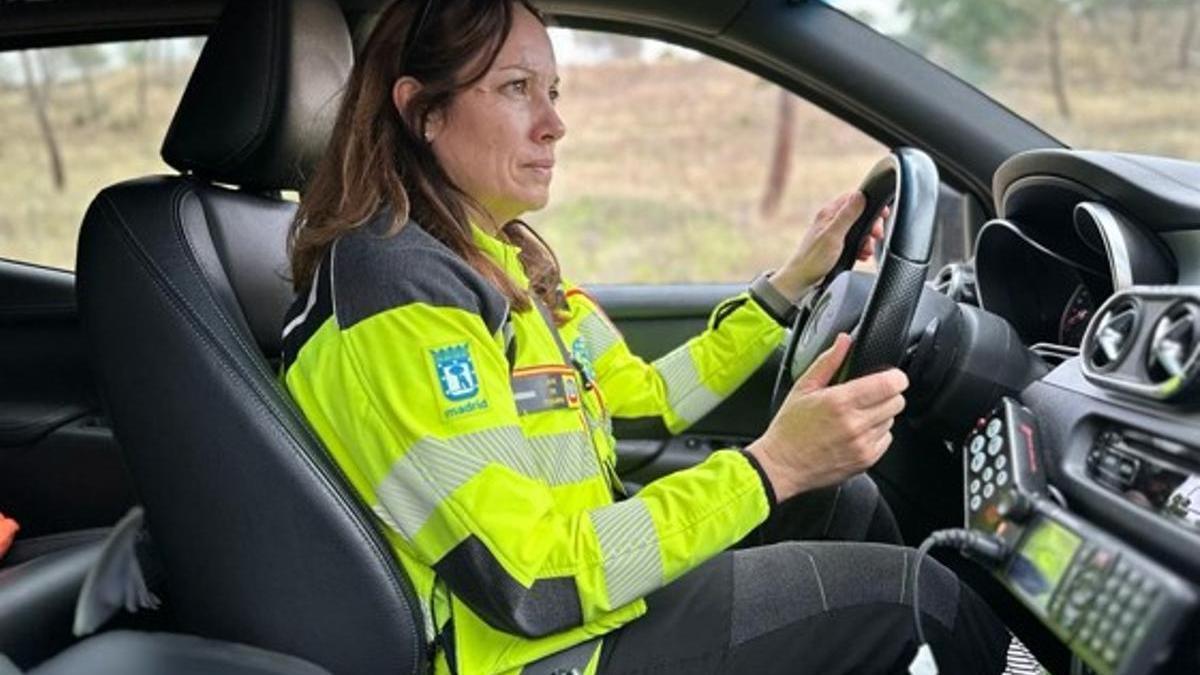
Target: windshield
[{"x": 1097, "y": 74}]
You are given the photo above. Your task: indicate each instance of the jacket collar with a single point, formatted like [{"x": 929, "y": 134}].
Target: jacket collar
[{"x": 502, "y": 253}]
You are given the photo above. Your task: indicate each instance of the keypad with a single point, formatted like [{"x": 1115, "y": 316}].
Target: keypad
[
  {"x": 1105, "y": 604},
  {"x": 987, "y": 464}
]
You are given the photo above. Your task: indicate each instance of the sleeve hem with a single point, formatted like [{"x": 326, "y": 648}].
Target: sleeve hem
[{"x": 768, "y": 490}]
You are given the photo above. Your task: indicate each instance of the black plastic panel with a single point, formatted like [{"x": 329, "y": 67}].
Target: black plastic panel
[
  {"x": 699, "y": 16},
  {"x": 1071, "y": 412},
  {"x": 1163, "y": 193}
]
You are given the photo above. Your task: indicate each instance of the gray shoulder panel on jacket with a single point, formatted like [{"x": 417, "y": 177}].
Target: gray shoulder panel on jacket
[{"x": 374, "y": 272}]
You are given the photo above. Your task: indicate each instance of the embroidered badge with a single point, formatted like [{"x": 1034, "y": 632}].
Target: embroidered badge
[
  {"x": 583, "y": 356},
  {"x": 456, "y": 372}
]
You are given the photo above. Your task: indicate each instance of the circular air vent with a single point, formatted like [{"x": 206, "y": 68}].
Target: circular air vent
[
  {"x": 1173, "y": 342},
  {"x": 1115, "y": 331}
]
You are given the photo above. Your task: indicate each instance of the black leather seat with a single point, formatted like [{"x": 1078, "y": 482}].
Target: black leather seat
[
  {"x": 40, "y": 579},
  {"x": 182, "y": 289}
]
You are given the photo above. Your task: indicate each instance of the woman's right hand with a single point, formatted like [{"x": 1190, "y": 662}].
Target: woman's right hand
[{"x": 825, "y": 434}]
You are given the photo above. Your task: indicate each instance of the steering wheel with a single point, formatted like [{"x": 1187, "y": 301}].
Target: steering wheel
[{"x": 908, "y": 180}]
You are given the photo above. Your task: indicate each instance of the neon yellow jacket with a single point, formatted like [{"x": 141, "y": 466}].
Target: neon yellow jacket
[{"x": 488, "y": 455}]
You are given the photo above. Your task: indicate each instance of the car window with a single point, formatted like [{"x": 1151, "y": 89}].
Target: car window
[
  {"x": 1097, "y": 74},
  {"x": 74, "y": 120},
  {"x": 674, "y": 168}
]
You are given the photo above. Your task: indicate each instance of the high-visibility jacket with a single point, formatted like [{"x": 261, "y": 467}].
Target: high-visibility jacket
[{"x": 482, "y": 440}]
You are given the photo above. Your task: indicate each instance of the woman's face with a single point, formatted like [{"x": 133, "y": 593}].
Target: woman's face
[{"x": 496, "y": 139}]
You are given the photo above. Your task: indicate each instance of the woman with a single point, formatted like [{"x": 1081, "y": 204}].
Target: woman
[{"x": 467, "y": 393}]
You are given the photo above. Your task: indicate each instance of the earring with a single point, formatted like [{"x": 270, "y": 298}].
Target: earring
[{"x": 428, "y": 136}]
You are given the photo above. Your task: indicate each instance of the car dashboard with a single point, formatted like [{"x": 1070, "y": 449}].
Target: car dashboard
[{"x": 1092, "y": 473}]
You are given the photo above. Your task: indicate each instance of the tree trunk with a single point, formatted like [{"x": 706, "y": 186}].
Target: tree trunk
[
  {"x": 1189, "y": 32},
  {"x": 1057, "y": 77},
  {"x": 38, "y": 101},
  {"x": 781, "y": 156},
  {"x": 1135, "y": 29}
]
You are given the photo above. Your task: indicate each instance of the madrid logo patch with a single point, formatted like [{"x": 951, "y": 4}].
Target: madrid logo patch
[{"x": 456, "y": 372}]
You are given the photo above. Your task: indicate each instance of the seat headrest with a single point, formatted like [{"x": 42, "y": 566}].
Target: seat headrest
[{"x": 260, "y": 106}]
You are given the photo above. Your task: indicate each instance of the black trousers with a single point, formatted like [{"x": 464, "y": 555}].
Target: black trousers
[{"x": 789, "y": 600}]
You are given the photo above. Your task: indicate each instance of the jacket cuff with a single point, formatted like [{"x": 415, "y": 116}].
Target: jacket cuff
[
  {"x": 772, "y": 301},
  {"x": 772, "y": 501}
]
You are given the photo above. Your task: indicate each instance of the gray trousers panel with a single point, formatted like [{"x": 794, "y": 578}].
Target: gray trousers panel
[
  {"x": 821, "y": 587},
  {"x": 820, "y": 607}
]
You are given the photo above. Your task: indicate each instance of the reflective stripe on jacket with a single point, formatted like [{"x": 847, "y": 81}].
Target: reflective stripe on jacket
[{"x": 484, "y": 444}]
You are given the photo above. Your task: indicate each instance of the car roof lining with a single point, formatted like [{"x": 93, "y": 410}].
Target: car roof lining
[{"x": 26, "y": 24}]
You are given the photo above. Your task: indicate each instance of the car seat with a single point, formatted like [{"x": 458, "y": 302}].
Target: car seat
[{"x": 182, "y": 284}]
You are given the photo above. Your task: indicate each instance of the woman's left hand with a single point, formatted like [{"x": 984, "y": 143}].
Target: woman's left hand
[{"x": 822, "y": 244}]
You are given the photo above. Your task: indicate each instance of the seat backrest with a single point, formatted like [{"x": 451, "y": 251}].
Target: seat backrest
[{"x": 182, "y": 284}]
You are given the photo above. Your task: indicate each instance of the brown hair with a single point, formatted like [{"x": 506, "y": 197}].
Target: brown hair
[{"x": 377, "y": 158}]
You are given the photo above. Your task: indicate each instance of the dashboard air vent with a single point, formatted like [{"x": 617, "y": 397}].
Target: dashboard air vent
[
  {"x": 1173, "y": 342},
  {"x": 1114, "y": 335}
]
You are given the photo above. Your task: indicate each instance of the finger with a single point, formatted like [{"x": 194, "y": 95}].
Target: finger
[
  {"x": 868, "y": 249},
  {"x": 872, "y": 448},
  {"x": 851, "y": 208},
  {"x": 825, "y": 366},
  {"x": 876, "y": 432},
  {"x": 871, "y": 390},
  {"x": 871, "y": 437},
  {"x": 875, "y": 236},
  {"x": 885, "y": 412},
  {"x": 831, "y": 209},
  {"x": 882, "y": 445}
]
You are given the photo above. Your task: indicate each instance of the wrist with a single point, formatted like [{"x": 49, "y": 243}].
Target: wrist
[
  {"x": 789, "y": 284},
  {"x": 782, "y": 483}
]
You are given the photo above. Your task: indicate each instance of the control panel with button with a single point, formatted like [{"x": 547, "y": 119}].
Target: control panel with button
[
  {"x": 1001, "y": 464},
  {"x": 1117, "y": 609}
]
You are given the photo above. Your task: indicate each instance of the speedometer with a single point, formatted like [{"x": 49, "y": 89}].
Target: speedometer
[{"x": 1075, "y": 316}]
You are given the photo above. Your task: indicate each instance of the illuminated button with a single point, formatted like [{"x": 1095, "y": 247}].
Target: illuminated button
[
  {"x": 1085, "y": 634},
  {"x": 988, "y": 491},
  {"x": 994, "y": 446},
  {"x": 1110, "y": 654},
  {"x": 1096, "y": 644},
  {"x": 977, "y": 444},
  {"x": 993, "y": 427},
  {"x": 987, "y": 474},
  {"x": 974, "y": 486},
  {"x": 977, "y": 462},
  {"x": 975, "y": 502},
  {"x": 1001, "y": 462},
  {"x": 1001, "y": 478}
]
